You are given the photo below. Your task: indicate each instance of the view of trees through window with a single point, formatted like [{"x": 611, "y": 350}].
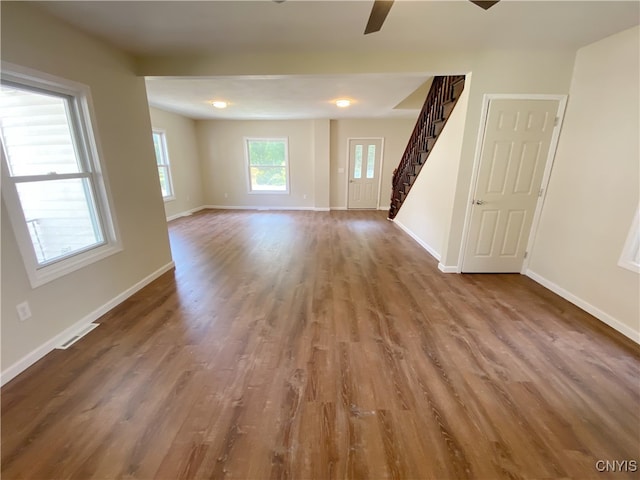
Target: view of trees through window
[{"x": 267, "y": 164}]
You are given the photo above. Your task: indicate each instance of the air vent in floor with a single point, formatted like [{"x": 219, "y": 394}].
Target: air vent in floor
[{"x": 77, "y": 336}]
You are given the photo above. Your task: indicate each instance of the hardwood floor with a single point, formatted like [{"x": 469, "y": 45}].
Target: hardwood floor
[{"x": 326, "y": 345}]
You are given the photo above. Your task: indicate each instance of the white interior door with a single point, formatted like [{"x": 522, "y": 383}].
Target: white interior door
[
  {"x": 364, "y": 172},
  {"x": 514, "y": 153}
]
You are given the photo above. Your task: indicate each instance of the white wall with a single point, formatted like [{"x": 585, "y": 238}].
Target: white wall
[
  {"x": 426, "y": 212},
  {"x": 396, "y": 133},
  {"x": 494, "y": 71},
  {"x": 594, "y": 187},
  {"x": 322, "y": 158},
  {"x": 183, "y": 157},
  {"x": 317, "y": 149},
  {"x": 224, "y": 169},
  {"x": 536, "y": 72},
  {"x": 35, "y": 40}
]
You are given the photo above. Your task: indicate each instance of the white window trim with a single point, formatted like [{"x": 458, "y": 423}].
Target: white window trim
[
  {"x": 163, "y": 134},
  {"x": 248, "y": 165},
  {"x": 81, "y": 97},
  {"x": 632, "y": 245}
]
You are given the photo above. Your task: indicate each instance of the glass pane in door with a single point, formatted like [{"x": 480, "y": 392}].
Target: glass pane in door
[
  {"x": 357, "y": 164},
  {"x": 371, "y": 161}
]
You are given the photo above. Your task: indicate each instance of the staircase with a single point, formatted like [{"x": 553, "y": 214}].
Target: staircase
[{"x": 437, "y": 108}]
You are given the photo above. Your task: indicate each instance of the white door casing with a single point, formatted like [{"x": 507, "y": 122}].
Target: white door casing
[
  {"x": 365, "y": 155},
  {"x": 517, "y": 138}
]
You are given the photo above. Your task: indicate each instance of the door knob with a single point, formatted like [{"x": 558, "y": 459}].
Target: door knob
[{"x": 478, "y": 202}]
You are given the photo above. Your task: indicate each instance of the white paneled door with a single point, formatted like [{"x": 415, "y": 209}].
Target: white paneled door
[
  {"x": 517, "y": 138},
  {"x": 364, "y": 172}
]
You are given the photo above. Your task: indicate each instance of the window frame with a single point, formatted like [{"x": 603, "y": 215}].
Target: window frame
[
  {"x": 631, "y": 248},
  {"x": 166, "y": 165},
  {"x": 248, "y": 165},
  {"x": 81, "y": 124}
]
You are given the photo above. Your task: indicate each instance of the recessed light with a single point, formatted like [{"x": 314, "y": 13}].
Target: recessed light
[
  {"x": 343, "y": 103},
  {"x": 219, "y": 104}
]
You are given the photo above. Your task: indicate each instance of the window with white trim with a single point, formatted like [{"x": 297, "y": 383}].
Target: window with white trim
[
  {"x": 267, "y": 165},
  {"x": 162, "y": 159},
  {"x": 630, "y": 258},
  {"x": 52, "y": 182}
]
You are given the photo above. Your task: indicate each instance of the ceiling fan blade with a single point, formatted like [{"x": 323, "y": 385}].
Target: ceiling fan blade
[
  {"x": 486, "y": 5},
  {"x": 379, "y": 12}
]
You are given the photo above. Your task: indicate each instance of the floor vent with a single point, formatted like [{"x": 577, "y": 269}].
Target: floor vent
[{"x": 77, "y": 336}]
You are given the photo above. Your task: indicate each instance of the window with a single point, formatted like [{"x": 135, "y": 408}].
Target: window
[
  {"x": 630, "y": 258},
  {"x": 162, "y": 159},
  {"x": 268, "y": 165},
  {"x": 51, "y": 178}
]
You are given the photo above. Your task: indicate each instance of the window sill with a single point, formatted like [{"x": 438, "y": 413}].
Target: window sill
[
  {"x": 269, "y": 192},
  {"x": 168, "y": 199},
  {"x": 629, "y": 265},
  {"x": 43, "y": 275}
]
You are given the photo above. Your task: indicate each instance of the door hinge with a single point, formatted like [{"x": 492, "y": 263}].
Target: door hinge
[
  {"x": 526, "y": 254},
  {"x": 556, "y": 121},
  {"x": 541, "y": 192}
]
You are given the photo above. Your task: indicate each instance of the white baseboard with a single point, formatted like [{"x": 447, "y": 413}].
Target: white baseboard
[
  {"x": 260, "y": 207},
  {"x": 321, "y": 209},
  {"x": 432, "y": 251},
  {"x": 185, "y": 214},
  {"x": 586, "y": 306},
  {"x": 31, "y": 358},
  {"x": 447, "y": 268},
  {"x": 386, "y": 207},
  {"x": 346, "y": 208}
]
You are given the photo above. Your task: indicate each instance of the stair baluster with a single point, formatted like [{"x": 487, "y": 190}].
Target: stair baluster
[{"x": 440, "y": 101}]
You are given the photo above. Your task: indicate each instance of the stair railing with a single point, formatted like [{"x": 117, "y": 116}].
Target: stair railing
[{"x": 442, "y": 97}]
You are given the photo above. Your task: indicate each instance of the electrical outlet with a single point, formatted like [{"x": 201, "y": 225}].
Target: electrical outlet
[
  {"x": 225, "y": 195},
  {"x": 304, "y": 196},
  {"x": 24, "y": 312}
]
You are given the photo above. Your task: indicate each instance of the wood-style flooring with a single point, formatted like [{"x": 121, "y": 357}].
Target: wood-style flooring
[{"x": 317, "y": 345}]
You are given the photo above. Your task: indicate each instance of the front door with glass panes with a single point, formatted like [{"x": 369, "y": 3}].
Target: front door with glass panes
[{"x": 364, "y": 172}]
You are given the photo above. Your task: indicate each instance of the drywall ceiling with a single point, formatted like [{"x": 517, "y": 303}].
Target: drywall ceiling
[
  {"x": 160, "y": 28},
  {"x": 290, "y": 96},
  {"x": 163, "y": 27}
]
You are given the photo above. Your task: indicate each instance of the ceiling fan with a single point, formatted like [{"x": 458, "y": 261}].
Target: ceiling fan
[{"x": 381, "y": 8}]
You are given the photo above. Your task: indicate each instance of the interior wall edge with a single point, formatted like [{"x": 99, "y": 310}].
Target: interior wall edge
[
  {"x": 186, "y": 213},
  {"x": 448, "y": 268}
]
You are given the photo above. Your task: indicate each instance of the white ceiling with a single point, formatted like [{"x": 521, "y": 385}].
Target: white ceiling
[
  {"x": 161, "y": 27},
  {"x": 287, "y": 97},
  {"x": 230, "y": 27}
]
